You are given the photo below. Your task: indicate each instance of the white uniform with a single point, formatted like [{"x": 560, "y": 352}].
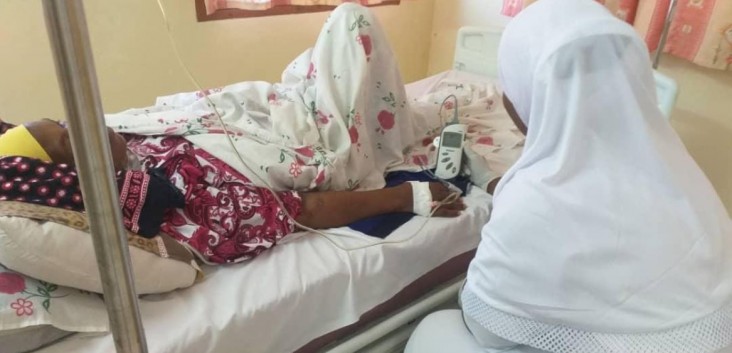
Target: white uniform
[{"x": 605, "y": 235}]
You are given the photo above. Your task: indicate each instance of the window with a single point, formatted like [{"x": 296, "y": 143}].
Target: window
[{"x": 209, "y": 10}]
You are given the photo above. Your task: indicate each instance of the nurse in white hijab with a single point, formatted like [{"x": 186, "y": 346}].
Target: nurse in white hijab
[{"x": 605, "y": 235}]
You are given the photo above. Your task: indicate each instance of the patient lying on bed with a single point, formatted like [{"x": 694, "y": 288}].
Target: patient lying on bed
[
  {"x": 220, "y": 204},
  {"x": 338, "y": 122}
]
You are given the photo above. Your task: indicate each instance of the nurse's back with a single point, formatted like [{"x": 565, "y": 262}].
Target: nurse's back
[{"x": 605, "y": 235}]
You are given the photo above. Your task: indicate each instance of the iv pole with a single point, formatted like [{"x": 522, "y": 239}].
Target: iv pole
[
  {"x": 664, "y": 34},
  {"x": 69, "y": 39}
]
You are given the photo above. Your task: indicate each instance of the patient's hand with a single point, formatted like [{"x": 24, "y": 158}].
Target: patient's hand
[
  {"x": 439, "y": 193},
  {"x": 492, "y": 185}
]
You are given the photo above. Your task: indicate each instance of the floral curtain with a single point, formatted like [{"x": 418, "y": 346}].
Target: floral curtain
[
  {"x": 214, "y": 5},
  {"x": 701, "y": 30}
]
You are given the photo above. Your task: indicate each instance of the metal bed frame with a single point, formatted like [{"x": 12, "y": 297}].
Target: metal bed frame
[{"x": 69, "y": 38}]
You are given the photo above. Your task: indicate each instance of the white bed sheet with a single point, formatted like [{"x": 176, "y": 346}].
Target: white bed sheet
[
  {"x": 305, "y": 287},
  {"x": 297, "y": 291},
  {"x": 428, "y": 85}
]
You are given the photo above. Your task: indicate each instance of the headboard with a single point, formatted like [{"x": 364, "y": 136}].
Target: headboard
[{"x": 476, "y": 51}]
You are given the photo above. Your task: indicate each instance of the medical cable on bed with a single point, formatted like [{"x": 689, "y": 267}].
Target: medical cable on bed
[{"x": 450, "y": 199}]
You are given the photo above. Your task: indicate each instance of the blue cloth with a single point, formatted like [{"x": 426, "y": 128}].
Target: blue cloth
[{"x": 382, "y": 226}]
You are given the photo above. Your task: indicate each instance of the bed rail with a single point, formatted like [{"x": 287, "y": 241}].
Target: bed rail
[
  {"x": 69, "y": 39},
  {"x": 664, "y": 34}
]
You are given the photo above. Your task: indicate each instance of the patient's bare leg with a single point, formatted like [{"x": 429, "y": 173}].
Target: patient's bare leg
[{"x": 330, "y": 209}]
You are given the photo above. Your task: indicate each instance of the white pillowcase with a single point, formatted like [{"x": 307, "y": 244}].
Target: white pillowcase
[
  {"x": 35, "y": 313},
  {"x": 58, "y": 254}
]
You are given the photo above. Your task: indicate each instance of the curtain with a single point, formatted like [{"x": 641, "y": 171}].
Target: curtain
[
  {"x": 213, "y": 5},
  {"x": 701, "y": 30}
]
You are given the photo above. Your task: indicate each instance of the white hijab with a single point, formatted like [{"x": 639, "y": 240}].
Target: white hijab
[{"x": 605, "y": 223}]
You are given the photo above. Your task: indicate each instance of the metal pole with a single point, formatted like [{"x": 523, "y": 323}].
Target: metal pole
[
  {"x": 69, "y": 38},
  {"x": 664, "y": 34}
]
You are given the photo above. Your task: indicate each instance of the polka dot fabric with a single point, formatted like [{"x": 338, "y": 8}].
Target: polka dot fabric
[
  {"x": 31, "y": 180},
  {"x": 144, "y": 196}
]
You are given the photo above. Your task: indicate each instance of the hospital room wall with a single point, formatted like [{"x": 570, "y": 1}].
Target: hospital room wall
[
  {"x": 703, "y": 113},
  {"x": 135, "y": 61}
]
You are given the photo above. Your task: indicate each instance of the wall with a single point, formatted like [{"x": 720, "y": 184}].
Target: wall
[
  {"x": 703, "y": 119},
  {"x": 135, "y": 61},
  {"x": 449, "y": 16},
  {"x": 703, "y": 114}
]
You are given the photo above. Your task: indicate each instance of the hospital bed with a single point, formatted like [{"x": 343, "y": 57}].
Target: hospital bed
[{"x": 339, "y": 292}]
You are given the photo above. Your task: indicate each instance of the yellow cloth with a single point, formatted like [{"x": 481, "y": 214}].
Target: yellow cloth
[{"x": 18, "y": 141}]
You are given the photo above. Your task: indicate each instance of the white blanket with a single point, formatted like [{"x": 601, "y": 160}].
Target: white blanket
[{"x": 338, "y": 120}]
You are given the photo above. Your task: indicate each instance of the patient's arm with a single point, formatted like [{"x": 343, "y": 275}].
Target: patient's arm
[{"x": 330, "y": 209}]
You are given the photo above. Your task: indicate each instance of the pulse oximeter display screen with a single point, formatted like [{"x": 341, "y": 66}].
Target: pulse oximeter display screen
[{"x": 451, "y": 139}]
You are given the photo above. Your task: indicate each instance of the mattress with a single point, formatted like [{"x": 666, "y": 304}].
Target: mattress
[{"x": 303, "y": 289}]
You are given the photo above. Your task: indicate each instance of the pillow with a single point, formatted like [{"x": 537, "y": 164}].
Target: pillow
[
  {"x": 53, "y": 245},
  {"x": 35, "y": 313}
]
